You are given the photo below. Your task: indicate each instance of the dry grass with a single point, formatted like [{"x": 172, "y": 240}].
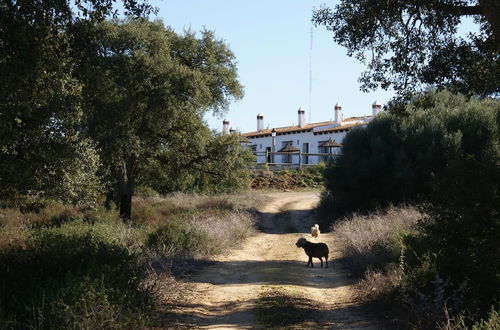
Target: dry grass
[
  {"x": 187, "y": 230},
  {"x": 237, "y": 202},
  {"x": 377, "y": 284},
  {"x": 367, "y": 241},
  {"x": 373, "y": 246},
  {"x": 226, "y": 230},
  {"x": 206, "y": 225}
]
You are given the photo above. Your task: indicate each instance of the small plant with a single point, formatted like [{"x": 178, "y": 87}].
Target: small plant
[{"x": 492, "y": 322}]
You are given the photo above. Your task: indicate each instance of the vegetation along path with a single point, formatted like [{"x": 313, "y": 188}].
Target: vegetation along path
[{"x": 265, "y": 284}]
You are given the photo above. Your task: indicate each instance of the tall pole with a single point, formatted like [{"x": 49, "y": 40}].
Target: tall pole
[{"x": 310, "y": 73}]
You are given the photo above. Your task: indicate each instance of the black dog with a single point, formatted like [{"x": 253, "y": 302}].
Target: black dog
[{"x": 314, "y": 250}]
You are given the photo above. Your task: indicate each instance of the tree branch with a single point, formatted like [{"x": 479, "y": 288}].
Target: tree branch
[{"x": 459, "y": 10}]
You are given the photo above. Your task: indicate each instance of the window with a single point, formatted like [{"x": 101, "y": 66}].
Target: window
[
  {"x": 287, "y": 159},
  {"x": 305, "y": 149},
  {"x": 253, "y": 147},
  {"x": 323, "y": 150}
]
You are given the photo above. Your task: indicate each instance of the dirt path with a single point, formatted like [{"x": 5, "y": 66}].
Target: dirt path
[{"x": 265, "y": 282}]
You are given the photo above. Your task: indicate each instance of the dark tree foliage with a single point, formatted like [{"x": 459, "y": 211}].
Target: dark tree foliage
[
  {"x": 444, "y": 153},
  {"x": 146, "y": 89},
  {"x": 40, "y": 97},
  {"x": 202, "y": 162},
  {"x": 83, "y": 99},
  {"x": 401, "y": 158},
  {"x": 459, "y": 240},
  {"x": 409, "y": 45}
]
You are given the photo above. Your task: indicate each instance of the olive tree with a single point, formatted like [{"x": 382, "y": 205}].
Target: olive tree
[
  {"x": 42, "y": 150},
  {"x": 144, "y": 86}
]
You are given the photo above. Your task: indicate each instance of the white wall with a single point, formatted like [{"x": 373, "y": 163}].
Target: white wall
[{"x": 298, "y": 139}]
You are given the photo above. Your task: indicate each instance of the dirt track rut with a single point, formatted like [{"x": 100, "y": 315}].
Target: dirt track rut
[{"x": 224, "y": 295}]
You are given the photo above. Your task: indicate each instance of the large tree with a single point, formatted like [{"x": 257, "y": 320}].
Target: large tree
[
  {"x": 144, "y": 85},
  {"x": 410, "y": 45},
  {"x": 40, "y": 97}
]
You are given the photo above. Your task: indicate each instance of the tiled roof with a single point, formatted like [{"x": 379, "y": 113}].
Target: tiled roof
[
  {"x": 342, "y": 127},
  {"x": 286, "y": 129},
  {"x": 330, "y": 144},
  {"x": 346, "y": 124},
  {"x": 289, "y": 148}
]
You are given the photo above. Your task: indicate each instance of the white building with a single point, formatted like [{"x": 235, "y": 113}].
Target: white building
[{"x": 308, "y": 142}]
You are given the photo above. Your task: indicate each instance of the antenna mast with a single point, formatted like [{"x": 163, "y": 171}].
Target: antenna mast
[{"x": 310, "y": 73}]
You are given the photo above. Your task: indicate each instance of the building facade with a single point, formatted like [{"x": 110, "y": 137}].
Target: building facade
[{"x": 304, "y": 144}]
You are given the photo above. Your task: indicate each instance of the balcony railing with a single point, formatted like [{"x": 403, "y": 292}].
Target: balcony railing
[{"x": 297, "y": 156}]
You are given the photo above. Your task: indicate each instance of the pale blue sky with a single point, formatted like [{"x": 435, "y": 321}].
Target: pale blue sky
[{"x": 271, "y": 42}]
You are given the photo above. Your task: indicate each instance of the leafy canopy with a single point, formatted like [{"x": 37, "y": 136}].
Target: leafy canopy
[
  {"x": 41, "y": 149},
  {"x": 410, "y": 45},
  {"x": 444, "y": 150},
  {"x": 145, "y": 89}
]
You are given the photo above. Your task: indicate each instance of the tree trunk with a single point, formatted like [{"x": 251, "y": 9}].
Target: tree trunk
[
  {"x": 126, "y": 185},
  {"x": 126, "y": 206}
]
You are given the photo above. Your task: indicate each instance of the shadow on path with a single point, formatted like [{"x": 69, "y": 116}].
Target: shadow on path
[
  {"x": 303, "y": 314},
  {"x": 272, "y": 272}
]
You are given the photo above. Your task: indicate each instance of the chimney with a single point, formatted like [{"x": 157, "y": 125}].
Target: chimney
[
  {"x": 376, "y": 108},
  {"x": 260, "y": 122},
  {"x": 225, "y": 127},
  {"x": 338, "y": 113},
  {"x": 302, "y": 117}
]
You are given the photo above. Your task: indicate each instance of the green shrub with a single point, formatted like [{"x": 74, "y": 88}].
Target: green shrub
[
  {"x": 460, "y": 247},
  {"x": 443, "y": 152},
  {"x": 68, "y": 280},
  {"x": 145, "y": 192},
  {"x": 402, "y": 159},
  {"x": 180, "y": 238},
  {"x": 307, "y": 177}
]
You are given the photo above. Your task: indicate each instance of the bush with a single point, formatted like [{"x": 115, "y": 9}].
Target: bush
[
  {"x": 402, "y": 159},
  {"x": 460, "y": 248},
  {"x": 373, "y": 241},
  {"x": 443, "y": 152},
  {"x": 307, "y": 177},
  {"x": 179, "y": 238},
  {"x": 72, "y": 281}
]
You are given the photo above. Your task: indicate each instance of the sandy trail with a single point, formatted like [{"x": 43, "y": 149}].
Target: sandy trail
[{"x": 223, "y": 295}]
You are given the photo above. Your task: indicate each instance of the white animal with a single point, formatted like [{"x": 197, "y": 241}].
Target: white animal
[{"x": 315, "y": 231}]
